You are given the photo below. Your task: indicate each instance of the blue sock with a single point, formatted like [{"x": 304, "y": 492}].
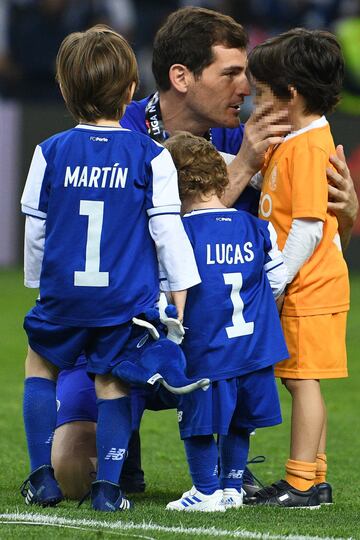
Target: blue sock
[
  {"x": 202, "y": 456},
  {"x": 234, "y": 450},
  {"x": 39, "y": 412},
  {"x": 112, "y": 437}
]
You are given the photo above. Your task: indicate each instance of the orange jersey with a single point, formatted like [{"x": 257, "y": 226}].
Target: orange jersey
[{"x": 295, "y": 186}]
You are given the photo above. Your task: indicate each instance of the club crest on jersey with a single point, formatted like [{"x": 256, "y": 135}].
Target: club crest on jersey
[{"x": 272, "y": 179}]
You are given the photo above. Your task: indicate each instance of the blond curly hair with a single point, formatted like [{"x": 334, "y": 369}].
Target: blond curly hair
[{"x": 201, "y": 169}]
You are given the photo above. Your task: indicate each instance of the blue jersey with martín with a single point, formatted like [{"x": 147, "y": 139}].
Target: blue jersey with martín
[
  {"x": 231, "y": 320},
  {"x": 94, "y": 188},
  {"x": 226, "y": 140}
]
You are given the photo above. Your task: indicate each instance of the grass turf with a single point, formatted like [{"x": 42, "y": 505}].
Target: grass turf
[{"x": 164, "y": 461}]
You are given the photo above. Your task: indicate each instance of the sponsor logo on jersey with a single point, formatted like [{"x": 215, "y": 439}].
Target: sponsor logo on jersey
[
  {"x": 223, "y": 219},
  {"x": 99, "y": 139}
]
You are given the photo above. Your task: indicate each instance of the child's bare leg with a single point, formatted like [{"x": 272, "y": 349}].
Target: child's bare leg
[
  {"x": 37, "y": 366},
  {"x": 307, "y": 423},
  {"x": 307, "y": 419}
]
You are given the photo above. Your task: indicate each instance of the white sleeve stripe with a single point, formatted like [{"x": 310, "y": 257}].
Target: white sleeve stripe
[
  {"x": 273, "y": 267},
  {"x": 274, "y": 262},
  {"x": 169, "y": 209},
  {"x": 273, "y": 236},
  {"x": 165, "y": 181},
  {"x": 32, "y": 212},
  {"x": 32, "y": 191},
  {"x": 165, "y": 214}
]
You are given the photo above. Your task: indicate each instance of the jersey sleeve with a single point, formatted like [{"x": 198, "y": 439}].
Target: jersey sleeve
[
  {"x": 309, "y": 183},
  {"x": 34, "y": 199},
  {"x": 34, "y": 242},
  {"x": 274, "y": 266},
  {"x": 176, "y": 257}
]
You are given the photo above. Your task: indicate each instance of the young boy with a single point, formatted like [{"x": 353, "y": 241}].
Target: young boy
[
  {"x": 304, "y": 69},
  {"x": 233, "y": 329},
  {"x": 102, "y": 209}
]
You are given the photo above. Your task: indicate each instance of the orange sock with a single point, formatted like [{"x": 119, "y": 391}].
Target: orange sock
[
  {"x": 321, "y": 468},
  {"x": 300, "y": 474}
]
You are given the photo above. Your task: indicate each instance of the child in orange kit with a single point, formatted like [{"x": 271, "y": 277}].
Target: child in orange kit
[{"x": 303, "y": 71}]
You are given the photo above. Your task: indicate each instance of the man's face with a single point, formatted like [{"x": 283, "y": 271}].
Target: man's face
[{"x": 216, "y": 96}]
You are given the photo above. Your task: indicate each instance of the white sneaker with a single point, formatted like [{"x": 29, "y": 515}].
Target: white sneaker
[
  {"x": 194, "y": 501},
  {"x": 232, "y": 498}
]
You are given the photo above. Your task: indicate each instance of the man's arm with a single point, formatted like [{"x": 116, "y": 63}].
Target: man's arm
[
  {"x": 263, "y": 129},
  {"x": 343, "y": 201}
]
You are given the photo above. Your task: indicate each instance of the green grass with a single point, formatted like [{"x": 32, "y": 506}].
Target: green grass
[{"x": 163, "y": 455}]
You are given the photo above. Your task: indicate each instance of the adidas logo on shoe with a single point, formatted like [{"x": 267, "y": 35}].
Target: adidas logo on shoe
[{"x": 195, "y": 501}]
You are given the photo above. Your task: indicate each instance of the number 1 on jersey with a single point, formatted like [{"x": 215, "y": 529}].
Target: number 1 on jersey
[
  {"x": 240, "y": 326},
  {"x": 92, "y": 277}
]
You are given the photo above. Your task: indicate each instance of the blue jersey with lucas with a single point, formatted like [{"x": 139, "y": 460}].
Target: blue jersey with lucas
[{"x": 231, "y": 319}]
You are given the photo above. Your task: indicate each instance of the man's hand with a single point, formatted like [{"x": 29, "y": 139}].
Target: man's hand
[
  {"x": 263, "y": 129},
  {"x": 343, "y": 201}
]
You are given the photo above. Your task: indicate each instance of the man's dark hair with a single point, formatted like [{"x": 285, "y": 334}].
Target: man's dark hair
[
  {"x": 309, "y": 60},
  {"x": 187, "y": 38}
]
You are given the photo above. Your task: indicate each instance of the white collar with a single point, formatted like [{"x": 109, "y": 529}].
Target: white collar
[{"x": 320, "y": 122}]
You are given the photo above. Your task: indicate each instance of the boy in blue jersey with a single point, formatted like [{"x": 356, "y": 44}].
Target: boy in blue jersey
[
  {"x": 102, "y": 211},
  {"x": 233, "y": 329}
]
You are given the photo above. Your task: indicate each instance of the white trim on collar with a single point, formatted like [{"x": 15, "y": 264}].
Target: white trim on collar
[
  {"x": 320, "y": 122},
  {"x": 91, "y": 127},
  {"x": 209, "y": 211}
]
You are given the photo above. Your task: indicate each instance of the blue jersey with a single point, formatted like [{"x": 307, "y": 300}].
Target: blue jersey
[
  {"x": 231, "y": 320},
  {"x": 96, "y": 188},
  {"x": 227, "y": 140}
]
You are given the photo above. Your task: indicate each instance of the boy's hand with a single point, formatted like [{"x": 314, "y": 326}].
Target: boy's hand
[{"x": 175, "y": 329}]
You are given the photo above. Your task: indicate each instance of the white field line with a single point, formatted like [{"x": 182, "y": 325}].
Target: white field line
[{"x": 27, "y": 518}]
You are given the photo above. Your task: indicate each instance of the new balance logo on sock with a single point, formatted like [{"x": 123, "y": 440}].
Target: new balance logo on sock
[
  {"x": 116, "y": 454},
  {"x": 235, "y": 473},
  {"x": 179, "y": 416}
]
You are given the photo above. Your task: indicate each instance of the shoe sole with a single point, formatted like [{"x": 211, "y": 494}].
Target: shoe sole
[{"x": 191, "y": 509}]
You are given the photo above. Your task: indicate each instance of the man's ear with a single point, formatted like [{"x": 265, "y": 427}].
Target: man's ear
[{"x": 180, "y": 77}]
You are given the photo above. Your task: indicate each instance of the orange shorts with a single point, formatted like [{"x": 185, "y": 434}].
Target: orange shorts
[{"x": 317, "y": 347}]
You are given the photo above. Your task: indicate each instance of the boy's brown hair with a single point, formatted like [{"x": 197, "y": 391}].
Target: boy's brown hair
[
  {"x": 95, "y": 70},
  {"x": 309, "y": 60},
  {"x": 201, "y": 169}
]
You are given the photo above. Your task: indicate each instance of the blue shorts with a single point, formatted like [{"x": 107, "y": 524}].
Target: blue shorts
[
  {"x": 250, "y": 401},
  {"x": 105, "y": 347},
  {"x": 76, "y": 398}
]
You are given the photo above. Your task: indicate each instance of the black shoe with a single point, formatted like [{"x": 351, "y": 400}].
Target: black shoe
[
  {"x": 282, "y": 494},
  {"x": 325, "y": 493},
  {"x": 107, "y": 497},
  {"x": 251, "y": 484},
  {"x": 41, "y": 488}
]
